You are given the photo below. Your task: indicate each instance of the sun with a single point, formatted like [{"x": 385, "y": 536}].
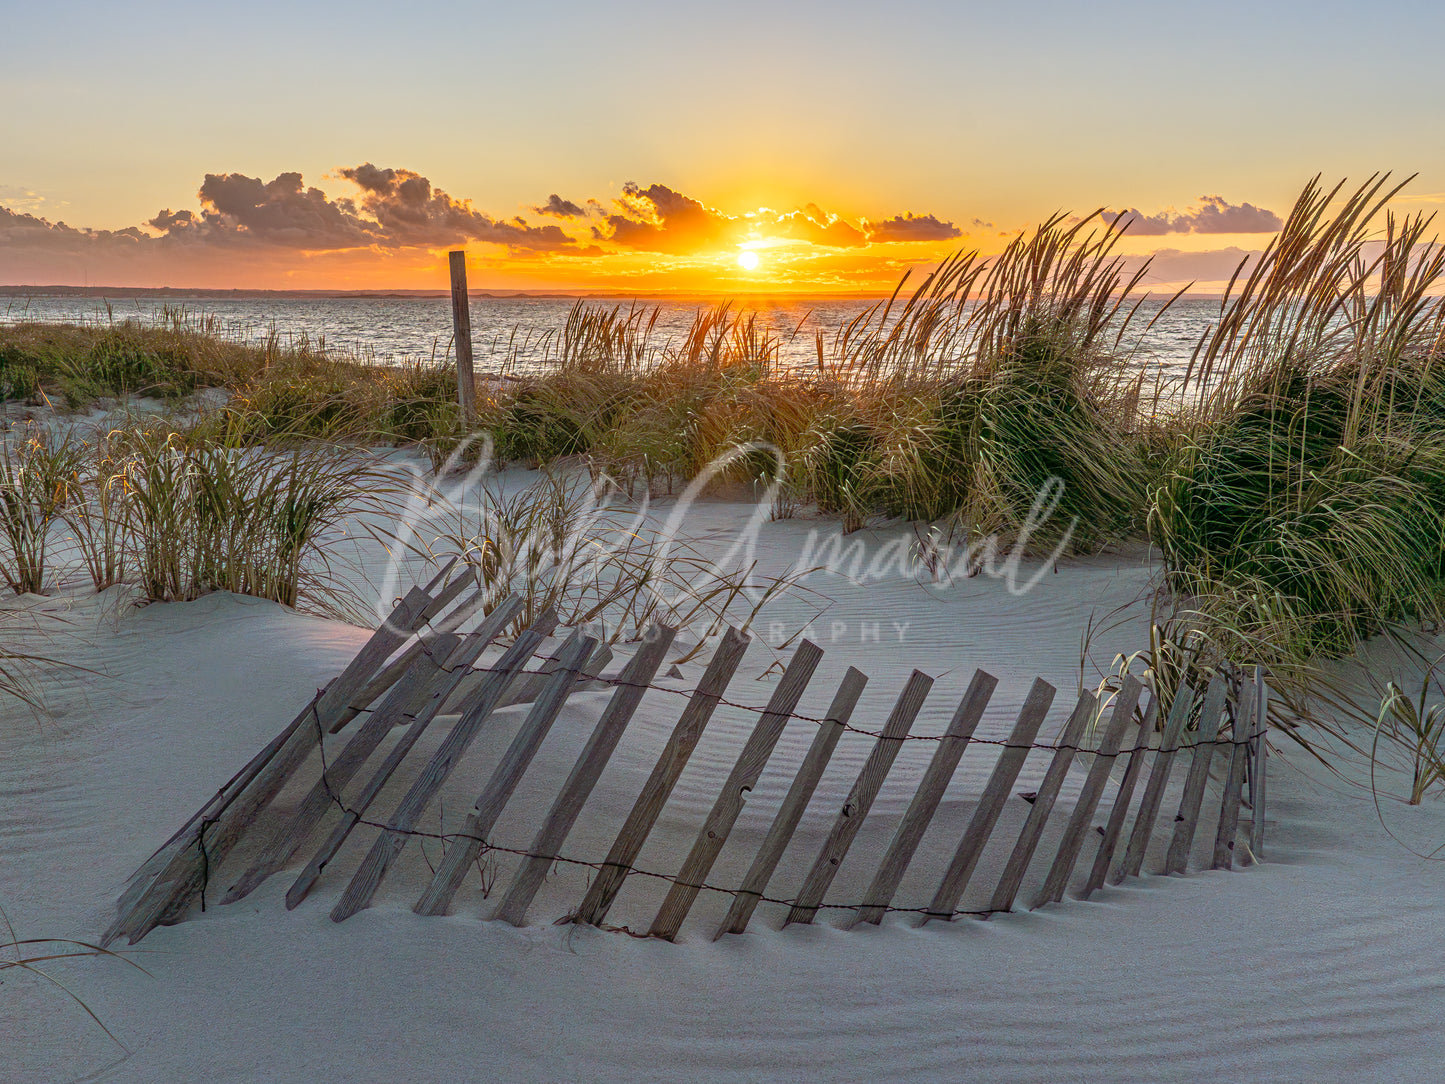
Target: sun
[{"x": 748, "y": 261}]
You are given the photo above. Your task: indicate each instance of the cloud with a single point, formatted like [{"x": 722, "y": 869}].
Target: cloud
[
  {"x": 1213, "y": 214},
  {"x": 910, "y": 227},
  {"x": 558, "y": 207},
  {"x": 662, "y": 219},
  {"x": 816, "y": 226},
  {"x": 17, "y": 197},
  {"x": 244, "y": 226},
  {"x": 409, "y": 211}
]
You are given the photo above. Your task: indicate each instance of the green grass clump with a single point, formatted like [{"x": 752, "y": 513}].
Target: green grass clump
[{"x": 1303, "y": 508}]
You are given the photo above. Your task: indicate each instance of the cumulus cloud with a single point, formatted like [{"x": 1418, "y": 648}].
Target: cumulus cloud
[
  {"x": 816, "y": 226},
  {"x": 558, "y": 207},
  {"x": 1213, "y": 214},
  {"x": 910, "y": 227},
  {"x": 411, "y": 212},
  {"x": 662, "y": 219},
  {"x": 399, "y": 214}
]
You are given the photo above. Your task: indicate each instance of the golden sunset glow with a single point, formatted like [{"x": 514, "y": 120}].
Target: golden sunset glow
[{"x": 839, "y": 161}]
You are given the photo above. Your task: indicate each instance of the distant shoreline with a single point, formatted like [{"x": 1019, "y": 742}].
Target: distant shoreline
[{"x": 181, "y": 293}]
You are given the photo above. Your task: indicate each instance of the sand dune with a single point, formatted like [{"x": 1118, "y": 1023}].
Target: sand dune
[{"x": 1319, "y": 964}]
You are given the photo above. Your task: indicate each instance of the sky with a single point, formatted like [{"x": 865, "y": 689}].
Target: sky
[{"x": 654, "y": 148}]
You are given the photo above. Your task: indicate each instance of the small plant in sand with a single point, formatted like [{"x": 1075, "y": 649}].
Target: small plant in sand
[
  {"x": 37, "y": 480},
  {"x": 1416, "y": 726},
  {"x": 27, "y": 954},
  {"x": 257, "y": 520},
  {"x": 560, "y": 543}
]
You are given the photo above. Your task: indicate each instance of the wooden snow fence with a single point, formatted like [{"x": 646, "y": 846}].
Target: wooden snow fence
[{"x": 421, "y": 667}]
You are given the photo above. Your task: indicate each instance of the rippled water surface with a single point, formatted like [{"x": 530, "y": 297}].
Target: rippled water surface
[{"x": 396, "y": 328}]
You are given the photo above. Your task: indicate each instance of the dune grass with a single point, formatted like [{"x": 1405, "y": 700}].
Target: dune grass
[{"x": 1294, "y": 483}]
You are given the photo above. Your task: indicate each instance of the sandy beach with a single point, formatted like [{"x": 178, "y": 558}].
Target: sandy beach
[{"x": 1316, "y": 964}]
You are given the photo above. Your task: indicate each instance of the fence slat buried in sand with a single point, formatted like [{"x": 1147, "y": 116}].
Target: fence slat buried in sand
[
  {"x": 991, "y": 802},
  {"x": 547, "y": 844},
  {"x": 1119, "y": 813},
  {"x": 145, "y": 875},
  {"x": 410, "y": 696},
  {"x": 1258, "y": 765},
  {"x": 730, "y": 801},
  {"x": 392, "y": 671},
  {"x": 398, "y": 830},
  {"x": 795, "y": 802},
  {"x": 1073, "y": 840},
  {"x": 215, "y": 829},
  {"x": 1033, "y": 829},
  {"x": 1242, "y": 731},
  {"x": 1133, "y": 859},
  {"x": 356, "y": 807},
  {"x": 529, "y": 686},
  {"x": 1179, "y": 847},
  {"x": 860, "y": 799},
  {"x": 926, "y": 799},
  {"x": 465, "y": 848},
  {"x": 415, "y": 699},
  {"x": 670, "y": 763}
]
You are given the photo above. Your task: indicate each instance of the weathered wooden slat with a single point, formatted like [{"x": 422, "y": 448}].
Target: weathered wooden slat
[
  {"x": 216, "y": 828},
  {"x": 1179, "y": 846},
  {"x": 795, "y": 802},
  {"x": 729, "y": 804},
  {"x": 860, "y": 799},
  {"x": 392, "y": 671},
  {"x": 433, "y": 678},
  {"x": 1119, "y": 812},
  {"x": 411, "y": 695},
  {"x": 144, "y": 877},
  {"x": 547, "y": 844},
  {"x": 398, "y": 830},
  {"x": 357, "y": 805},
  {"x": 670, "y": 763},
  {"x": 463, "y": 850},
  {"x": 1242, "y": 730},
  {"x": 1133, "y": 860},
  {"x": 926, "y": 799},
  {"x": 991, "y": 802},
  {"x": 1033, "y": 829},
  {"x": 1073, "y": 839},
  {"x": 1258, "y": 765}
]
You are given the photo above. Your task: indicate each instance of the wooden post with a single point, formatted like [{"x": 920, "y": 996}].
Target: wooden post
[
  {"x": 926, "y": 799},
  {"x": 1258, "y": 765},
  {"x": 794, "y": 804},
  {"x": 860, "y": 799},
  {"x": 462, "y": 336}
]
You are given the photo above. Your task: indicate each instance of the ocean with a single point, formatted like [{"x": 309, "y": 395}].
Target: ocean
[{"x": 396, "y": 329}]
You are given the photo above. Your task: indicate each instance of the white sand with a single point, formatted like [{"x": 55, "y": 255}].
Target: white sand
[{"x": 1322, "y": 964}]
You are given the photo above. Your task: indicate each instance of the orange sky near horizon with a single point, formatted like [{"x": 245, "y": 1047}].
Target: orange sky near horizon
[{"x": 271, "y": 146}]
